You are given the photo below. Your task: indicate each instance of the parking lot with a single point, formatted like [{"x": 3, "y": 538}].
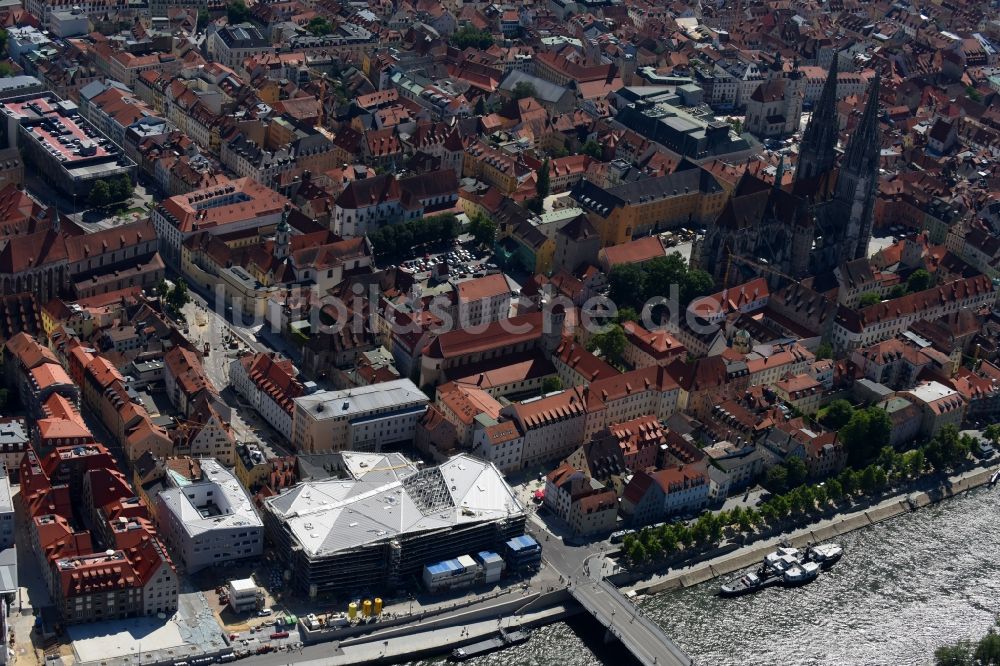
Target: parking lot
[{"x": 459, "y": 262}]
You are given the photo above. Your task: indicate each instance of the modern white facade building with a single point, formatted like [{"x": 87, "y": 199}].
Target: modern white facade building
[
  {"x": 209, "y": 522},
  {"x": 6, "y": 511}
]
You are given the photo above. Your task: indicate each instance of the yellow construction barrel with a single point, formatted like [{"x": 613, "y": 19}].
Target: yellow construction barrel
[
  {"x": 378, "y": 605},
  {"x": 352, "y": 610},
  {"x": 366, "y": 608}
]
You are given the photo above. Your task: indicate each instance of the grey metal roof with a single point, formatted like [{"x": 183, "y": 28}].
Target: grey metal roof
[
  {"x": 232, "y": 501},
  {"x": 545, "y": 90},
  {"x": 12, "y": 433},
  {"x": 6, "y": 505},
  {"x": 362, "y": 400},
  {"x": 8, "y": 570},
  {"x": 334, "y": 515}
]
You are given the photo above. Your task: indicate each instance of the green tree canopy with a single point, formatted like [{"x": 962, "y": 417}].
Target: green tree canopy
[
  {"x": 849, "y": 481},
  {"x": 661, "y": 273},
  {"x": 635, "y": 284},
  {"x": 984, "y": 652},
  {"x": 319, "y": 26},
  {"x": 100, "y": 193},
  {"x": 797, "y": 471},
  {"x": 897, "y": 291},
  {"x": 398, "y": 240},
  {"x": 868, "y": 480},
  {"x": 593, "y": 149},
  {"x": 120, "y": 188},
  {"x": 919, "y": 280},
  {"x": 694, "y": 284},
  {"x": 870, "y": 298},
  {"x": 237, "y": 12},
  {"x": 820, "y": 495},
  {"x": 611, "y": 343},
  {"x": 178, "y": 297},
  {"x": 865, "y": 434},
  {"x": 524, "y": 89},
  {"x": 624, "y": 282},
  {"x": 627, "y": 314},
  {"x": 542, "y": 183},
  {"x": 838, "y": 413},
  {"x": 551, "y": 383},
  {"x": 988, "y": 650},
  {"x": 469, "y": 36},
  {"x": 992, "y": 433},
  {"x": 947, "y": 449},
  {"x": 959, "y": 654},
  {"x": 483, "y": 230},
  {"x": 776, "y": 479}
]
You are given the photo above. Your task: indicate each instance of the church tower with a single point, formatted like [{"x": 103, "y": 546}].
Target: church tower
[
  {"x": 282, "y": 236},
  {"x": 857, "y": 180},
  {"x": 817, "y": 153}
]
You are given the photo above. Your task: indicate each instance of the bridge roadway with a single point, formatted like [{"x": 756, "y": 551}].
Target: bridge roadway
[{"x": 642, "y": 637}]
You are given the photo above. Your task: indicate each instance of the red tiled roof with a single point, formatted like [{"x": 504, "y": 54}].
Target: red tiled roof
[
  {"x": 498, "y": 334},
  {"x": 190, "y": 214},
  {"x": 276, "y": 377},
  {"x": 482, "y": 288},
  {"x": 634, "y": 252},
  {"x": 583, "y": 362}
]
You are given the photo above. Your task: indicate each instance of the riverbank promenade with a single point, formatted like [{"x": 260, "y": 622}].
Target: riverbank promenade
[{"x": 822, "y": 530}]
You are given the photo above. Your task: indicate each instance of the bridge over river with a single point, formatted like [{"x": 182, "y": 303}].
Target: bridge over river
[{"x": 626, "y": 623}]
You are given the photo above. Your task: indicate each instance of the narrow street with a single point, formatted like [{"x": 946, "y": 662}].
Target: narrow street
[{"x": 210, "y": 331}]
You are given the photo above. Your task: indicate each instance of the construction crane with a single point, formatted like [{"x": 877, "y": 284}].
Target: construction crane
[
  {"x": 391, "y": 468},
  {"x": 730, "y": 258}
]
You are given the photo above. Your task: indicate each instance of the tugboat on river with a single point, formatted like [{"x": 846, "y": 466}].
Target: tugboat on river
[
  {"x": 785, "y": 566},
  {"x": 826, "y": 555}
]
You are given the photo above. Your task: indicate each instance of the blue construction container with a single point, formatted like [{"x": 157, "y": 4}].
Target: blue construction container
[{"x": 522, "y": 551}]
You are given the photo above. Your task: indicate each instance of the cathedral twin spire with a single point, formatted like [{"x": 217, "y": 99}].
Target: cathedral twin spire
[
  {"x": 817, "y": 152},
  {"x": 857, "y": 180},
  {"x": 864, "y": 146},
  {"x": 849, "y": 224}
]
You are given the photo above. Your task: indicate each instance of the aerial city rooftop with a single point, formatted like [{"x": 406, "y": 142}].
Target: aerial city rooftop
[{"x": 438, "y": 310}]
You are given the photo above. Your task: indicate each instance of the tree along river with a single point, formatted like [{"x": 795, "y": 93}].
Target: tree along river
[{"x": 903, "y": 588}]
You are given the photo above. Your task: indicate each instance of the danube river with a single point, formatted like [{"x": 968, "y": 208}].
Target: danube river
[{"x": 903, "y": 588}]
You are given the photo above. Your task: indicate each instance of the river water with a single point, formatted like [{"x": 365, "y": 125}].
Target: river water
[{"x": 902, "y": 588}]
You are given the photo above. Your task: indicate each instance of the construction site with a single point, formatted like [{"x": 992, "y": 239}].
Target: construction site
[{"x": 372, "y": 529}]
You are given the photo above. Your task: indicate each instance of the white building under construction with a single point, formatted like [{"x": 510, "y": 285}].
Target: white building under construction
[{"x": 375, "y": 528}]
